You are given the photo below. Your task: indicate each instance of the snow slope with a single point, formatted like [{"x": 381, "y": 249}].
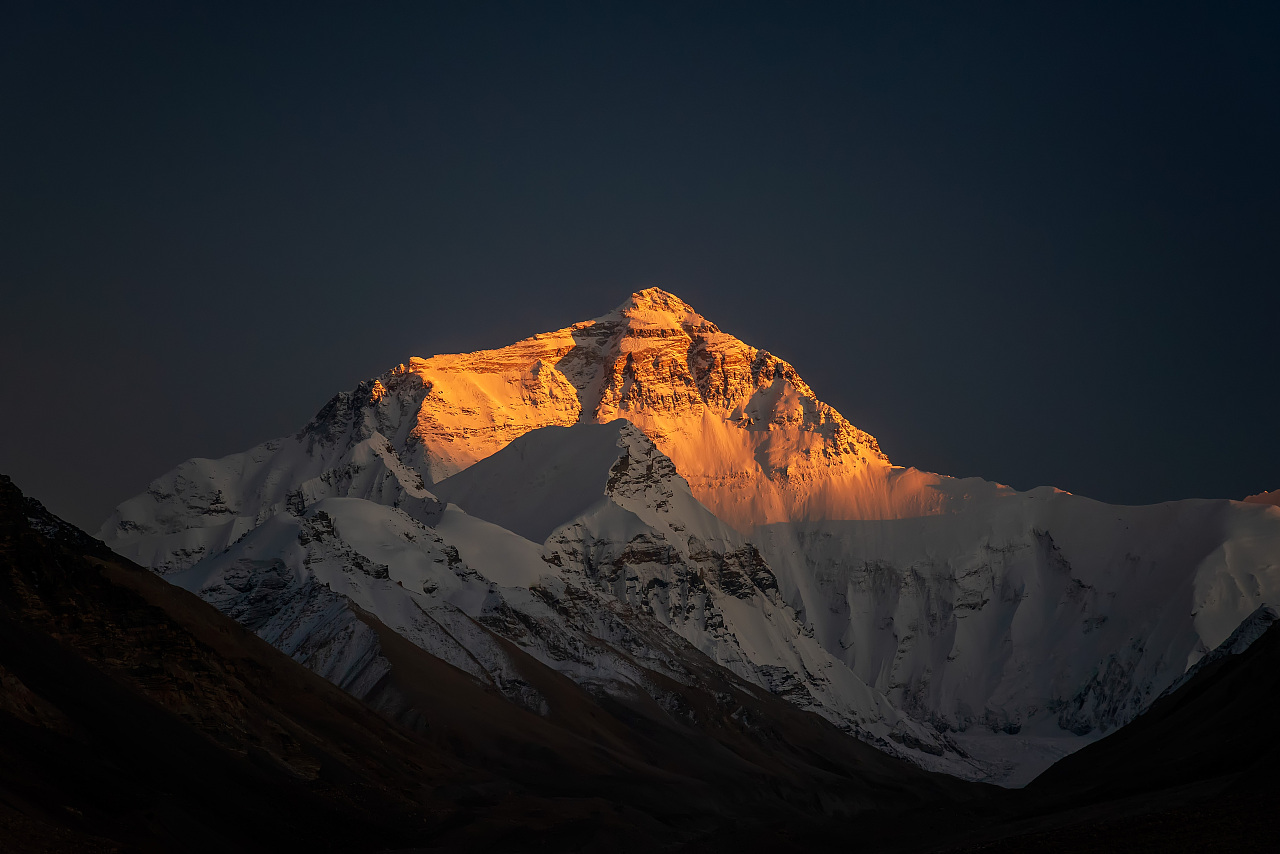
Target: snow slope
[
  {"x": 544, "y": 478},
  {"x": 203, "y": 506}
]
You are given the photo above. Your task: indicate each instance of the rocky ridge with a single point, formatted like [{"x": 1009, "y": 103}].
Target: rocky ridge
[{"x": 644, "y": 580}]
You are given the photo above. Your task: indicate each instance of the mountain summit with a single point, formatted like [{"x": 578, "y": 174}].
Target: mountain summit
[{"x": 751, "y": 437}]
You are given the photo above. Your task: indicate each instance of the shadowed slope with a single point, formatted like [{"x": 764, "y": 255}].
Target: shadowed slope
[
  {"x": 1218, "y": 727},
  {"x": 1195, "y": 772}
]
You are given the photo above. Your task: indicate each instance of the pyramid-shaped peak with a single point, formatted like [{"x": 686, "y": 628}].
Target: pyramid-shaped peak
[
  {"x": 656, "y": 299},
  {"x": 656, "y": 308}
]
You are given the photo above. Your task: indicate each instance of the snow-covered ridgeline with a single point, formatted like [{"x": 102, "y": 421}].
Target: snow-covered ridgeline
[
  {"x": 637, "y": 579},
  {"x": 355, "y": 447}
]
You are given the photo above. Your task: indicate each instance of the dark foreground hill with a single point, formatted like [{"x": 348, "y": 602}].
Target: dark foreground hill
[{"x": 133, "y": 716}]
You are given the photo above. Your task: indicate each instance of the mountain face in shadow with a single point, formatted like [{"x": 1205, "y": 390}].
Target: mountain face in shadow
[
  {"x": 1195, "y": 772},
  {"x": 134, "y": 716},
  {"x": 1206, "y": 754}
]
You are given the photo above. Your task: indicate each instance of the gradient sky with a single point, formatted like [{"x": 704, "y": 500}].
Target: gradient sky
[{"x": 1040, "y": 246}]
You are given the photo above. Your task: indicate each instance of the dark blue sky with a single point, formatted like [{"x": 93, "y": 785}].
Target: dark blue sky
[{"x": 1036, "y": 245}]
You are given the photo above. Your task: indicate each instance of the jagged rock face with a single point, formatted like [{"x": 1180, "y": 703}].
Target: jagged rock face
[
  {"x": 746, "y": 431},
  {"x": 301, "y": 583},
  {"x": 635, "y": 537}
]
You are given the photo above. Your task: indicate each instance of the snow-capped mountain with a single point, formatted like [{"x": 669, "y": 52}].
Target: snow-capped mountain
[{"x": 633, "y": 490}]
